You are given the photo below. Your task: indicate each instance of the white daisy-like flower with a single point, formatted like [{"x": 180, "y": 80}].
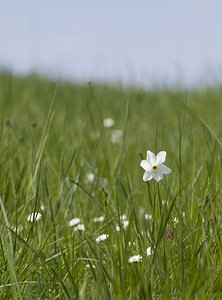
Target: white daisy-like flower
[
  {"x": 74, "y": 222},
  {"x": 34, "y": 217},
  {"x": 154, "y": 167},
  {"x": 108, "y": 122},
  {"x": 135, "y": 258},
  {"x": 148, "y": 251},
  {"x": 102, "y": 238},
  {"x": 98, "y": 219},
  {"x": 79, "y": 227},
  {"x": 117, "y": 228}
]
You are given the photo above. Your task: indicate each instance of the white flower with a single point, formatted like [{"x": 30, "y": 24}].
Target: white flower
[
  {"x": 117, "y": 228},
  {"x": 148, "y": 251},
  {"x": 154, "y": 167},
  {"x": 135, "y": 258},
  {"x": 74, "y": 222},
  {"x": 98, "y": 219},
  {"x": 79, "y": 227},
  {"x": 122, "y": 217},
  {"x": 34, "y": 217},
  {"x": 116, "y": 136},
  {"x": 125, "y": 223},
  {"x": 148, "y": 216},
  {"x": 108, "y": 122},
  {"x": 102, "y": 238},
  {"x": 175, "y": 221},
  {"x": 90, "y": 177}
]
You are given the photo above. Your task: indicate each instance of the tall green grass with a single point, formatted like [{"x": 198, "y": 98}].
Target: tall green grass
[{"x": 52, "y": 137}]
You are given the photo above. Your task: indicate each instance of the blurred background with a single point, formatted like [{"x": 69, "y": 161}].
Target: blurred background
[{"x": 149, "y": 43}]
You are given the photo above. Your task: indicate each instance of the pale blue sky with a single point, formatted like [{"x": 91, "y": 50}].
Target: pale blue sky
[{"x": 141, "y": 41}]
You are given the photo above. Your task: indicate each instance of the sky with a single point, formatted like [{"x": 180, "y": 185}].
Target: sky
[{"x": 128, "y": 41}]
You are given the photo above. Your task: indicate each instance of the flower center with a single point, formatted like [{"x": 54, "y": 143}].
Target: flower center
[{"x": 154, "y": 167}]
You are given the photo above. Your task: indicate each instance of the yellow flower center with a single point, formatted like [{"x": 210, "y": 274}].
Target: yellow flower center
[{"x": 154, "y": 167}]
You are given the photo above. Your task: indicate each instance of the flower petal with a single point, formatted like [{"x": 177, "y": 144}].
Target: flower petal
[
  {"x": 157, "y": 176},
  {"x": 151, "y": 157},
  {"x": 160, "y": 158},
  {"x": 164, "y": 170},
  {"x": 147, "y": 176},
  {"x": 145, "y": 165}
]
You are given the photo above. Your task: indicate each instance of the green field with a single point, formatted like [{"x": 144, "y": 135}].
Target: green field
[{"x": 59, "y": 160}]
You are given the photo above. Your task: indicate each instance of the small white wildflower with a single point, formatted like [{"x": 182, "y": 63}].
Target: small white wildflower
[
  {"x": 34, "y": 217},
  {"x": 74, "y": 222},
  {"x": 116, "y": 136},
  {"x": 98, "y": 219},
  {"x": 42, "y": 206},
  {"x": 90, "y": 177},
  {"x": 123, "y": 217},
  {"x": 102, "y": 238},
  {"x": 148, "y": 217},
  {"x": 108, "y": 122},
  {"x": 148, "y": 251},
  {"x": 125, "y": 223},
  {"x": 135, "y": 258},
  {"x": 117, "y": 228},
  {"x": 175, "y": 221},
  {"x": 79, "y": 227},
  {"x": 154, "y": 167}
]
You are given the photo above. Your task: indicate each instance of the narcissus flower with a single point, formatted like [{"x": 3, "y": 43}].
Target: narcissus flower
[{"x": 154, "y": 167}]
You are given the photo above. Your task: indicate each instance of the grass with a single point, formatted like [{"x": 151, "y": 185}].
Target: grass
[{"x": 52, "y": 137}]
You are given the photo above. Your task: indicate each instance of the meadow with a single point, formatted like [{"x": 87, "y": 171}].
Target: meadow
[{"x": 77, "y": 221}]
